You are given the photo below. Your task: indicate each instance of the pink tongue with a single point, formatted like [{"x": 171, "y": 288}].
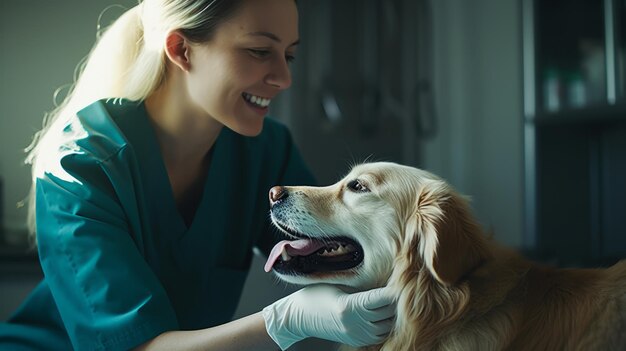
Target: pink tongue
[{"x": 300, "y": 247}]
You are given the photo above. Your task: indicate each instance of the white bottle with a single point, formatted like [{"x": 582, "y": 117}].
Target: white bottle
[{"x": 551, "y": 90}]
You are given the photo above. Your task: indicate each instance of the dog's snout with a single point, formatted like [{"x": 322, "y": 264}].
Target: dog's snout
[{"x": 277, "y": 193}]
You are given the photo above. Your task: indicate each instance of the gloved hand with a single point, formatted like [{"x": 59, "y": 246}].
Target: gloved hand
[{"x": 326, "y": 312}]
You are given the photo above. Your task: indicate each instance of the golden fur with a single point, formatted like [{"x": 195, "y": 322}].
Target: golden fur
[{"x": 457, "y": 289}]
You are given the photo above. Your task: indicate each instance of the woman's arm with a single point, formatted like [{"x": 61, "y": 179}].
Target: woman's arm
[
  {"x": 320, "y": 310},
  {"x": 247, "y": 333}
]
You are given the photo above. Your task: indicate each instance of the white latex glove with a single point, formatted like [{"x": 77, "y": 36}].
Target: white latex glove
[{"x": 326, "y": 312}]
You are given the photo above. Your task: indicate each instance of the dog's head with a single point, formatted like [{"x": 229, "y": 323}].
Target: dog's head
[{"x": 380, "y": 218}]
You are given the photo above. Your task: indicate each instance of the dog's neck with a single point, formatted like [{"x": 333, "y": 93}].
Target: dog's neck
[{"x": 507, "y": 269}]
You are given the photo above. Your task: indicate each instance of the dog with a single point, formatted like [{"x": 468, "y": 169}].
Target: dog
[{"x": 457, "y": 289}]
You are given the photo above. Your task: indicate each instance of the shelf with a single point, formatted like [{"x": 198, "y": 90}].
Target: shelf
[
  {"x": 574, "y": 65},
  {"x": 12, "y": 251},
  {"x": 594, "y": 115},
  {"x": 18, "y": 253},
  {"x": 18, "y": 261}
]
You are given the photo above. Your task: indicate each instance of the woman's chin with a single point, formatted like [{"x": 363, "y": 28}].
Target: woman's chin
[{"x": 249, "y": 129}]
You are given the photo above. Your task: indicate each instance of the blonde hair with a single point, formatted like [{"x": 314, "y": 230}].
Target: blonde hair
[{"x": 128, "y": 61}]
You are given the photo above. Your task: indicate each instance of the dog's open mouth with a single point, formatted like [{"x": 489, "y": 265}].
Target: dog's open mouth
[{"x": 309, "y": 255}]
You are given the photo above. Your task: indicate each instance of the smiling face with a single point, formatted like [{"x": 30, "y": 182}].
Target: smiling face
[
  {"x": 348, "y": 233},
  {"x": 235, "y": 75}
]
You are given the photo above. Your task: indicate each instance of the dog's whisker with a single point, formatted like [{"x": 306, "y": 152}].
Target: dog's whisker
[{"x": 322, "y": 231}]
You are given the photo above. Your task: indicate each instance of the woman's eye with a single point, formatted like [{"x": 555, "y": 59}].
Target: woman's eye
[
  {"x": 290, "y": 58},
  {"x": 357, "y": 186},
  {"x": 259, "y": 53}
]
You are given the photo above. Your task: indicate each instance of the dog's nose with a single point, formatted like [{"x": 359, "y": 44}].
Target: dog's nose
[{"x": 277, "y": 193}]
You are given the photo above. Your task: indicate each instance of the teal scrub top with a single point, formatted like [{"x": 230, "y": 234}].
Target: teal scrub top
[{"x": 120, "y": 264}]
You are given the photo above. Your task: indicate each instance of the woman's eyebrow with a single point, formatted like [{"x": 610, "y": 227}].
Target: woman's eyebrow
[{"x": 272, "y": 36}]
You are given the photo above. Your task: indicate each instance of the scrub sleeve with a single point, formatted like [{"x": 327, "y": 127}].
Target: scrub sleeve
[{"x": 107, "y": 295}]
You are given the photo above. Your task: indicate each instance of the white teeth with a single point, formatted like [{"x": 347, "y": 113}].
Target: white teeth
[
  {"x": 285, "y": 256},
  {"x": 257, "y": 100}
]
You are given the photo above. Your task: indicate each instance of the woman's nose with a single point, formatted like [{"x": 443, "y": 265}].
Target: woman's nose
[
  {"x": 277, "y": 193},
  {"x": 280, "y": 75}
]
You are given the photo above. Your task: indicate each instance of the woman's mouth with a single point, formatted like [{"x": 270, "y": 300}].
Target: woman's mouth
[{"x": 258, "y": 102}]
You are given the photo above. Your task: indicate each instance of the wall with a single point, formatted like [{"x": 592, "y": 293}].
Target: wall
[
  {"x": 478, "y": 81},
  {"x": 42, "y": 43}
]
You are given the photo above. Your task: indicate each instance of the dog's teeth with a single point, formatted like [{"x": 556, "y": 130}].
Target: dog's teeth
[
  {"x": 334, "y": 251},
  {"x": 285, "y": 256}
]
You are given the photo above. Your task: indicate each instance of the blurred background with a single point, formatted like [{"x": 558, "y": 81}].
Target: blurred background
[{"x": 520, "y": 104}]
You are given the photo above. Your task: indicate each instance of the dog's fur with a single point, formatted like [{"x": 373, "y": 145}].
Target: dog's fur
[{"x": 456, "y": 289}]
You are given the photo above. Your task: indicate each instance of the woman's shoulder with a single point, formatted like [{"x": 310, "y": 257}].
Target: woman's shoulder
[
  {"x": 92, "y": 131},
  {"x": 107, "y": 123},
  {"x": 85, "y": 146}
]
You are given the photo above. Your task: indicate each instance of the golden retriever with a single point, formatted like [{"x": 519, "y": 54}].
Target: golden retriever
[{"x": 389, "y": 224}]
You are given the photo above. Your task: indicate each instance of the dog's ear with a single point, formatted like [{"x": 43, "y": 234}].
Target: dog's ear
[{"x": 451, "y": 241}]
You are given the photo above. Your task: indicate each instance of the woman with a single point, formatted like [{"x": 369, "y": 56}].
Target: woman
[{"x": 150, "y": 189}]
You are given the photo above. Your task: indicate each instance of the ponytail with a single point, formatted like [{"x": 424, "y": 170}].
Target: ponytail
[{"x": 118, "y": 66}]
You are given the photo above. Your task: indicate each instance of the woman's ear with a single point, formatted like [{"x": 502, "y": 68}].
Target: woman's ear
[
  {"x": 451, "y": 240},
  {"x": 177, "y": 49}
]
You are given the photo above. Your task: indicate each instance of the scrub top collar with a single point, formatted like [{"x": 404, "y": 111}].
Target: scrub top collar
[{"x": 142, "y": 137}]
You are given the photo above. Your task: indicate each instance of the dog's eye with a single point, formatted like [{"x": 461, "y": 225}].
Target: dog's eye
[{"x": 357, "y": 186}]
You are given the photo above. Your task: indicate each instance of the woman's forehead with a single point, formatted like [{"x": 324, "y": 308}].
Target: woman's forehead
[{"x": 276, "y": 20}]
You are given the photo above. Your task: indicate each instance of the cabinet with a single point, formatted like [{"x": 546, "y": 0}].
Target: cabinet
[{"x": 575, "y": 130}]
